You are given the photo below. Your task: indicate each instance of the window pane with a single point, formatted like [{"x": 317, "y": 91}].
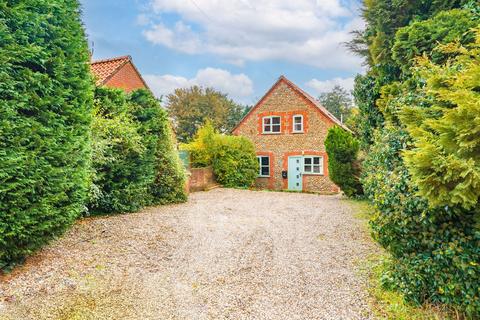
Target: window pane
[
  {"x": 276, "y": 120},
  {"x": 266, "y": 120},
  {"x": 276, "y": 128},
  {"x": 316, "y": 160},
  {"x": 265, "y": 161},
  {"x": 265, "y": 171},
  {"x": 267, "y": 128},
  {"x": 308, "y": 168},
  {"x": 308, "y": 160},
  {"x": 298, "y": 127},
  {"x": 316, "y": 169},
  {"x": 298, "y": 120}
]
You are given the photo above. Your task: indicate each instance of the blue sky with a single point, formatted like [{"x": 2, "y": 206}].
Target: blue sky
[{"x": 239, "y": 47}]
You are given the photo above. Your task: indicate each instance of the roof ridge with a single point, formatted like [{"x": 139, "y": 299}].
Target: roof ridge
[
  {"x": 315, "y": 102},
  {"x": 128, "y": 57}
]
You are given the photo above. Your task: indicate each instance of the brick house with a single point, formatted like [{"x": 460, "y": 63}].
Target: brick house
[
  {"x": 118, "y": 73},
  {"x": 288, "y": 128}
]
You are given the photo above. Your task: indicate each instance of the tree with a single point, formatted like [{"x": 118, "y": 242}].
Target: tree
[
  {"x": 338, "y": 101},
  {"x": 343, "y": 168},
  {"x": 445, "y": 162},
  {"x": 46, "y": 96},
  {"x": 190, "y": 108},
  {"x": 232, "y": 158}
]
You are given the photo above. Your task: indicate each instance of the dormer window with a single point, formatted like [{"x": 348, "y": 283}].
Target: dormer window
[
  {"x": 297, "y": 124},
  {"x": 272, "y": 124}
]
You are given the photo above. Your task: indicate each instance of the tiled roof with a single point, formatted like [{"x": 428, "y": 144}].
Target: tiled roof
[{"x": 104, "y": 69}]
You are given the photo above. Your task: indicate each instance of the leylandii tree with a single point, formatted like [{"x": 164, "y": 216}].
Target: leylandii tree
[
  {"x": 445, "y": 162},
  {"x": 45, "y": 113}
]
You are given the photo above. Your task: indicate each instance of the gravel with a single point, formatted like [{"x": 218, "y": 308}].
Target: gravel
[{"x": 226, "y": 254}]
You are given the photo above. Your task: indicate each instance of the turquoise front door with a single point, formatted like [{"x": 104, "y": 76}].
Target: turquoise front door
[{"x": 295, "y": 173}]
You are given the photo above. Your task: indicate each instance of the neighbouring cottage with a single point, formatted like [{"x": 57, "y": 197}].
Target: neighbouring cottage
[
  {"x": 288, "y": 128},
  {"x": 118, "y": 73}
]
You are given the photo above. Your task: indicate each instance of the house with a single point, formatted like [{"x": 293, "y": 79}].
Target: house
[
  {"x": 118, "y": 73},
  {"x": 288, "y": 128}
]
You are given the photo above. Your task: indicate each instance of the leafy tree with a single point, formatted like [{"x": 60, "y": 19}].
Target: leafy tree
[
  {"x": 135, "y": 162},
  {"x": 190, "y": 108},
  {"x": 46, "y": 99},
  {"x": 232, "y": 158},
  {"x": 338, "y": 101},
  {"x": 445, "y": 163},
  {"x": 342, "y": 149}
]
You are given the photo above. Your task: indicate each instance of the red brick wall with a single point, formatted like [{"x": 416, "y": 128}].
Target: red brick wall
[
  {"x": 127, "y": 79},
  {"x": 285, "y": 102},
  {"x": 200, "y": 179}
]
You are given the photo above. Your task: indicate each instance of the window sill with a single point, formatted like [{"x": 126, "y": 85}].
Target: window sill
[
  {"x": 271, "y": 133},
  {"x": 298, "y": 132},
  {"x": 263, "y": 176},
  {"x": 313, "y": 174}
]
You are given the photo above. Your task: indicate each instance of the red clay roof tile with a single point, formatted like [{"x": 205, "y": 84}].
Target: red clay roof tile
[{"x": 104, "y": 69}]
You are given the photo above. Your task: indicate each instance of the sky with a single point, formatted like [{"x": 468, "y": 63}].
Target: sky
[{"x": 239, "y": 47}]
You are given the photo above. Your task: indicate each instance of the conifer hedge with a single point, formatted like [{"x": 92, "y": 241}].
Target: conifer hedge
[
  {"x": 135, "y": 163},
  {"x": 45, "y": 114}
]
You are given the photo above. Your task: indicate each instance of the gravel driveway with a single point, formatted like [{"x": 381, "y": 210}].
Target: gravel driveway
[{"x": 226, "y": 254}]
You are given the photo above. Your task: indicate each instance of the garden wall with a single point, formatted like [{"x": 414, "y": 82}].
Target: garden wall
[{"x": 201, "y": 179}]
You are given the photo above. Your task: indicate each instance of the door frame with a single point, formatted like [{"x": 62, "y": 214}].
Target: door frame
[{"x": 291, "y": 173}]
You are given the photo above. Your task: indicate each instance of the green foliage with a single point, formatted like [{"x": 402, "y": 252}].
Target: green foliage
[
  {"x": 435, "y": 251},
  {"x": 422, "y": 37},
  {"x": 135, "y": 163},
  {"x": 45, "y": 114},
  {"x": 338, "y": 101},
  {"x": 233, "y": 158},
  {"x": 191, "y": 107},
  {"x": 445, "y": 160},
  {"x": 342, "y": 149},
  {"x": 366, "y": 92}
]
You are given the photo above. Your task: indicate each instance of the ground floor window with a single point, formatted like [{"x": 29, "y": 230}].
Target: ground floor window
[
  {"x": 313, "y": 165},
  {"x": 264, "y": 166}
]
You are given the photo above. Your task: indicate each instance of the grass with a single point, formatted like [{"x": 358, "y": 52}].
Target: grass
[{"x": 384, "y": 303}]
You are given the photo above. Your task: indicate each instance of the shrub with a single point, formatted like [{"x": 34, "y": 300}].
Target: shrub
[
  {"x": 233, "y": 158},
  {"x": 435, "y": 251},
  {"x": 46, "y": 97},
  {"x": 342, "y": 149},
  {"x": 135, "y": 162}
]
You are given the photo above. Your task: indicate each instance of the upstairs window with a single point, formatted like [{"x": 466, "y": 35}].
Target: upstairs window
[
  {"x": 297, "y": 124},
  {"x": 264, "y": 165},
  {"x": 313, "y": 165},
  {"x": 272, "y": 124}
]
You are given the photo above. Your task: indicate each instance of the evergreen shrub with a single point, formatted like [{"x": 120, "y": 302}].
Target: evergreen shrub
[{"x": 46, "y": 104}]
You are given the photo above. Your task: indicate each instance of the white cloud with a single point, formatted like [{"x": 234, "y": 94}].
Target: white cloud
[
  {"x": 321, "y": 86},
  {"x": 237, "y": 86},
  {"x": 306, "y": 31}
]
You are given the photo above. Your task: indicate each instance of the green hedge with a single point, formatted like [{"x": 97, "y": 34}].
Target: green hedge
[
  {"x": 135, "y": 162},
  {"x": 233, "y": 158},
  {"x": 45, "y": 115},
  {"x": 343, "y": 167}
]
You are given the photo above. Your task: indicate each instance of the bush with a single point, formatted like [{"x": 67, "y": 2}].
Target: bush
[
  {"x": 342, "y": 149},
  {"x": 135, "y": 162},
  {"x": 435, "y": 251},
  {"x": 233, "y": 158},
  {"x": 46, "y": 94}
]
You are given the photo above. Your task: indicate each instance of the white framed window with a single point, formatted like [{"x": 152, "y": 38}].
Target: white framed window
[
  {"x": 297, "y": 123},
  {"x": 264, "y": 166},
  {"x": 313, "y": 165},
  {"x": 272, "y": 124}
]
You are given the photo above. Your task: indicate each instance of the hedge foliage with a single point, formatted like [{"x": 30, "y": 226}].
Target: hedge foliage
[
  {"x": 233, "y": 158},
  {"x": 422, "y": 170},
  {"x": 46, "y": 96},
  {"x": 343, "y": 167},
  {"x": 135, "y": 163}
]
